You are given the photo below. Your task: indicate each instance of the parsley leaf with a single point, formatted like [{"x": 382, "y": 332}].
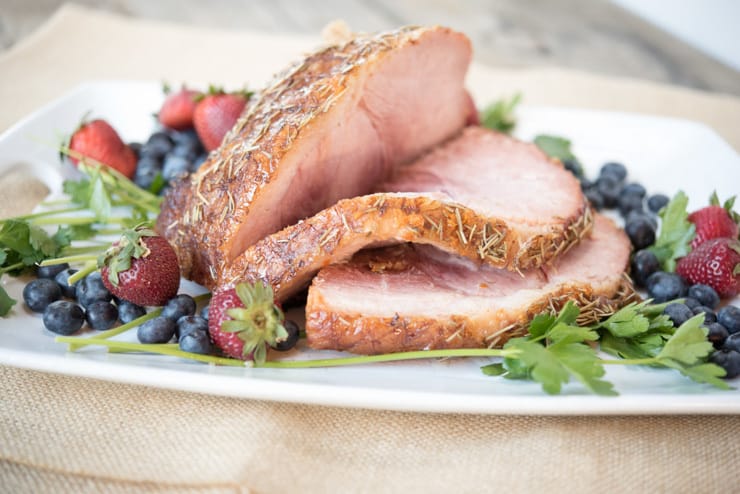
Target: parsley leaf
[
  {"x": 582, "y": 362},
  {"x": 6, "y": 302},
  {"x": 676, "y": 233},
  {"x": 626, "y": 322},
  {"x": 555, "y": 147},
  {"x": 499, "y": 115},
  {"x": 688, "y": 344}
]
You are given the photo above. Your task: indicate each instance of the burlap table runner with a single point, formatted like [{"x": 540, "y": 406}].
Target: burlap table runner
[{"x": 66, "y": 434}]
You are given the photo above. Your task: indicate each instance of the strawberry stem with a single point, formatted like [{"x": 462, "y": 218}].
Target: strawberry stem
[
  {"x": 70, "y": 259},
  {"x": 89, "y": 268}
]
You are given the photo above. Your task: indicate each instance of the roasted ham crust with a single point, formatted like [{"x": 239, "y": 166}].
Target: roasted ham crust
[
  {"x": 386, "y": 328},
  {"x": 288, "y": 260},
  {"x": 206, "y": 216}
]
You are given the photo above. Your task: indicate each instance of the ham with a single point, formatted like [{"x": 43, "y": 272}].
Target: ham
[
  {"x": 330, "y": 127},
  {"x": 484, "y": 196},
  {"x": 410, "y": 297}
]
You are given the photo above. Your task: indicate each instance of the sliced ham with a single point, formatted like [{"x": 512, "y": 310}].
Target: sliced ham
[
  {"x": 330, "y": 127},
  {"x": 484, "y": 196},
  {"x": 415, "y": 297}
]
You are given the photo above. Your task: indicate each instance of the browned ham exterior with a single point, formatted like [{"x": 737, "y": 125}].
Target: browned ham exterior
[
  {"x": 330, "y": 127},
  {"x": 484, "y": 196},
  {"x": 407, "y": 297}
]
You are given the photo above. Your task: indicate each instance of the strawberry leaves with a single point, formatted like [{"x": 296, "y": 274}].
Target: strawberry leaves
[{"x": 130, "y": 246}]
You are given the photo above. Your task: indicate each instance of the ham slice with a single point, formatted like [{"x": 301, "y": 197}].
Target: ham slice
[
  {"x": 408, "y": 297},
  {"x": 484, "y": 196},
  {"x": 330, "y": 127}
]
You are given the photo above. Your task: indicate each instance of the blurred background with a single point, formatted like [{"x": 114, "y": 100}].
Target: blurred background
[{"x": 693, "y": 43}]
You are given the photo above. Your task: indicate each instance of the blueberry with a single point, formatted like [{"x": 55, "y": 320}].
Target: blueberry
[
  {"x": 595, "y": 198},
  {"x": 633, "y": 215},
  {"x": 157, "y": 330},
  {"x": 729, "y": 317},
  {"x": 176, "y": 307},
  {"x": 196, "y": 341},
  {"x": 614, "y": 169},
  {"x": 704, "y": 294},
  {"x": 717, "y": 334},
  {"x": 293, "y": 335},
  {"x": 62, "y": 280},
  {"x": 39, "y": 293},
  {"x": 644, "y": 263},
  {"x": 128, "y": 311},
  {"x": 204, "y": 312},
  {"x": 640, "y": 231},
  {"x": 101, "y": 315},
  {"x": 187, "y": 136},
  {"x": 709, "y": 315},
  {"x": 608, "y": 187},
  {"x": 633, "y": 189},
  {"x": 729, "y": 360},
  {"x": 662, "y": 286},
  {"x": 91, "y": 289},
  {"x": 573, "y": 166},
  {"x": 147, "y": 171},
  {"x": 585, "y": 182},
  {"x": 678, "y": 313},
  {"x": 691, "y": 303},
  {"x": 159, "y": 143},
  {"x": 199, "y": 160},
  {"x": 629, "y": 203},
  {"x": 188, "y": 150},
  {"x": 732, "y": 342},
  {"x": 50, "y": 272},
  {"x": 63, "y": 317},
  {"x": 188, "y": 324},
  {"x": 175, "y": 167},
  {"x": 657, "y": 202},
  {"x": 135, "y": 147}
]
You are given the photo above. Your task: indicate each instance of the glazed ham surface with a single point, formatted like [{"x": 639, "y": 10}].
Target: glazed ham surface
[
  {"x": 415, "y": 297},
  {"x": 330, "y": 127},
  {"x": 483, "y": 195}
]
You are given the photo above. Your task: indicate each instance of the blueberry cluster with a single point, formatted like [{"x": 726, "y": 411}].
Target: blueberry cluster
[
  {"x": 611, "y": 191},
  {"x": 179, "y": 321},
  {"x": 168, "y": 154}
]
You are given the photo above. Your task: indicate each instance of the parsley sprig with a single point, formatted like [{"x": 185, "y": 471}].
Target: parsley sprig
[{"x": 499, "y": 115}]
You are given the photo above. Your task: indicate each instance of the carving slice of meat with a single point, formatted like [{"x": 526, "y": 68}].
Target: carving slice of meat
[
  {"x": 415, "y": 297},
  {"x": 331, "y": 127},
  {"x": 483, "y": 195}
]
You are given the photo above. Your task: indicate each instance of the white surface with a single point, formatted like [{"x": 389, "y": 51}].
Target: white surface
[
  {"x": 664, "y": 154},
  {"x": 709, "y": 25}
]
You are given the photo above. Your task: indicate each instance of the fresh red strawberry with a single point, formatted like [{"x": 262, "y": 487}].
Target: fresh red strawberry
[
  {"x": 178, "y": 109},
  {"x": 712, "y": 222},
  {"x": 244, "y": 320},
  {"x": 216, "y": 114},
  {"x": 142, "y": 268},
  {"x": 715, "y": 263},
  {"x": 99, "y": 141}
]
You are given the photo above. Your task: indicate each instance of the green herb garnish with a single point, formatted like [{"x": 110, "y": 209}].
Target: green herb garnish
[
  {"x": 499, "y": 115},
  {"x": 676, "y": 233}
]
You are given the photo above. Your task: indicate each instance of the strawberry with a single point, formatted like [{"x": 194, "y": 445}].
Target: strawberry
[
  {"x": 141, "y": 267},
  {"x": 99, "y": 141},
  {"x": 216, "y": 114},
  {"x": 712, "y": 222},
  {"x": 716, "y": 263},
  {"x": 244, "y": 320},
  {"x": 178, "y": 109}
]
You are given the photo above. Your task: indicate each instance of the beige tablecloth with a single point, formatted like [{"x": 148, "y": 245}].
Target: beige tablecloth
[{"x": 66, "y": 434}]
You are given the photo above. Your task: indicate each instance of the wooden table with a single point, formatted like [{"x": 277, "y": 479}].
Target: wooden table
[{"x": 592, "y": 35}]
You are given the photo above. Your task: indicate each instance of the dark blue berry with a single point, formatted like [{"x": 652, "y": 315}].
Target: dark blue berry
[
  {"x": 147, "y": 171},
  {"x": 199, "y": 160},
  {"x": 614, "y": 169},
  {"x": 101, "y": 315},
  {"x": 608, "y": 187},
  {"x": 91, "y": 289},
  {"x": 179, "y": 306},
  {"x": 188, "y": 137},
  {"x": 196, "y": 341},
  {"x": 729, "y": 360},
  {"x": 678, "y": 313},
  {"x": 157, "y": 330},
  {"x": 691, "y": 303},
  {"x": 729, "y": 317},
  {"x": 709, "y": 315},
  {"x": 733, "y": 342},
  {"x": 135, "y": 147},
  {"x": 633, "y": 189},
  {"x": 293, "y": 335},
  {"x": 205, "y": 311},
  {"x": 62, "y": 280},
  {"x": 662, "y": 286},
  {"x": 640, "y": 231},
  {"x": 63, "y": 317},
  {"x": 644, "y": 263},
  {"x": 175, "y": 167},
  {"x": 188, "y": 324},
  {"x": 187, "y": 149},
  {"x": 128, "y": 311},
  {"x": 657, "y": 202},
  {"x": 50, "y": 272},
  {"x": 585, "y": 183},
  {"x": 717, "y": 334},
  {"x": 159, "y": 143},
  {"x": 573, "y": 166},
  {"x": 704, "y": 294},
  {"x": 634, "y": 215},
  {"x": 628, "y": 204},
  {"x": 39, "y": 293},
  {"x": 595, "y": 198}
]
